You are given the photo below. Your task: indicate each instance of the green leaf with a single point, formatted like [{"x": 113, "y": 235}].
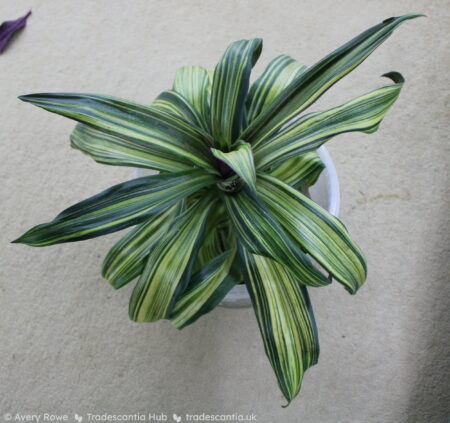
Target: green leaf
[
  {"x": 300, "y": 171},
  {"x": 216, "y": 235},
  {"x": 317, "y": 231},
  {"x": 363, "y": 114},
  {"x": 285, "y": 319},
  {"x": 311, "y": 84},
  {"x": 205, "y": 291},
  {"x": 193, "y": 83},
  {"x": 117, "y": 207},
  {"x": 126, "y": 259},
  {"x": 165, "y": 133},
  {"x": 260, "y": 233},
  {"x": 277, "y": 75},
  {"x": 230, "y": 88},
  {"x": 241, "y": 161},
  {"x": 174, "y": 103},
  {"x": 169, "y": 265},
  {"x": 112, "y": 150}
]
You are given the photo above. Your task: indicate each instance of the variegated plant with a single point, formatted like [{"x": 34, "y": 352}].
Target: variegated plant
[{"x": 227, "y": 206}]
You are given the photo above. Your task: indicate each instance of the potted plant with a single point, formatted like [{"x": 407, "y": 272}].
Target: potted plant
[{"x": 228, "y": 205}]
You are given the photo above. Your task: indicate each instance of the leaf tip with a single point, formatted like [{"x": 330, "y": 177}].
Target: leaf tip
[
  {"x": 396, "y": 77},
  {"x": 289, "y": 400},
  {"x": 26, "y": 98},
  {"x": 20, "y": 240},
  {"x": 405, "y": 17}
]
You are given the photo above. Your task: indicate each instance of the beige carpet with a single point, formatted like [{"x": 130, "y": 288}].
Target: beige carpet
[{"x": 67, "y": 345}]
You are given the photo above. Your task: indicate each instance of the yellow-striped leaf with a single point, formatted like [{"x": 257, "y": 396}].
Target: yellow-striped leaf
[
  {"x": 193, "y": 83},
  {"x": 229, "y": 90},
  {"x": 277, "y": 76},
  {"x": 217, "y": 234},
  {"x": 117, "y": 207},
  {"x": 169, "y": 265},
  {"x": 164, "y": 132},
  {"x": 300, "y": 171},
  {"x": 317, "y": 79},
  {"x": 206, "y": 289},
  {"x": 109, "y": 149},
  {"x": 362, "y": 114},
  {"x": 260, "y": 233},
  {"x": 126, "y": 259},
  {"x": 240, "y": 161},
  {"x": 317, "y": 231},
  {"x": 285, "y": 319},
  {"x": 175, "y": 103}
]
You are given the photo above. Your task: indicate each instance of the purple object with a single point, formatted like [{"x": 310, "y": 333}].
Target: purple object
[{"x": 8, "y": 28}]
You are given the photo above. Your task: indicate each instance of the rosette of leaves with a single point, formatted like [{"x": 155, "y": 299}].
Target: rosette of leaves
[{"x": 227, "y": 205}]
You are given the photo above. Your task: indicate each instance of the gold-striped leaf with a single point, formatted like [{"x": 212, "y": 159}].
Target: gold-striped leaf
[
  {"x": 303, "y": 170},
  {"x": 286, "y": 320},
  {"x": 317, "y": 79},
  {"x": 173, "y": 102},
  {"x": 216, "y": 235},
  {"x": 193, "y": 83},
  {"x": 169, "y": 265},
  {"x": 164, "y": 132},
  {"x": 317, "y": 231},
  {"x": 363, "y": 114},
  {"x": 229, "y": 90},
  {"x": 205, "y": 291},
  {"x": 260, "y": 233},
  {"x": 111, "y": 150},
  {"x": 277, "y": 75},
  {"x": 241, "y": 161},
  {"x": 126, "y": 259},
  {"x": 117, "y": 207}
]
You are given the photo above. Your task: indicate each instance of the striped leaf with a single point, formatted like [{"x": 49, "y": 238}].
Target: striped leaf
[
  {"x": 277, "y": 75},
  {"x": 317, "y": 231},
  {"x": 285, "y": 319},
  {"x": 363, "y": 114},
  {"x": 117, "y": 207},
  {"x": 172, "y": 102},
  {"x": 193, "y": 83},
  {"x": 260, "y": 233},
  {"x": 108, "y": 149},
  {"x": 126, "y": 259},
  {"x": 241, "y": 161},
  {"x": 317, "y": 79},
  {"x": 216, "y": 235},
  {"x": 169, "y": 265},
  {"x": 229, "y": 90},
  {"x": 205, "y": 291},
  {"x": 300, "y": 171},
  {"x": 164, "y": 132}
]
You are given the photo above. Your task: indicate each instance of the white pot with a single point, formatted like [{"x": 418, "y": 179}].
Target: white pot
[{"x": 324, "y": 192}]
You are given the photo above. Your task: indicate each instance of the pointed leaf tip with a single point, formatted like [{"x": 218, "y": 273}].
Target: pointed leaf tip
[
  {"x": 404, "y": 17},
  {"x": 9, "y": 28}
]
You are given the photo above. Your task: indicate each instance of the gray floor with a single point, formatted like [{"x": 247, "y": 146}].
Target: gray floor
[{"x": 66, "y": 342}]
